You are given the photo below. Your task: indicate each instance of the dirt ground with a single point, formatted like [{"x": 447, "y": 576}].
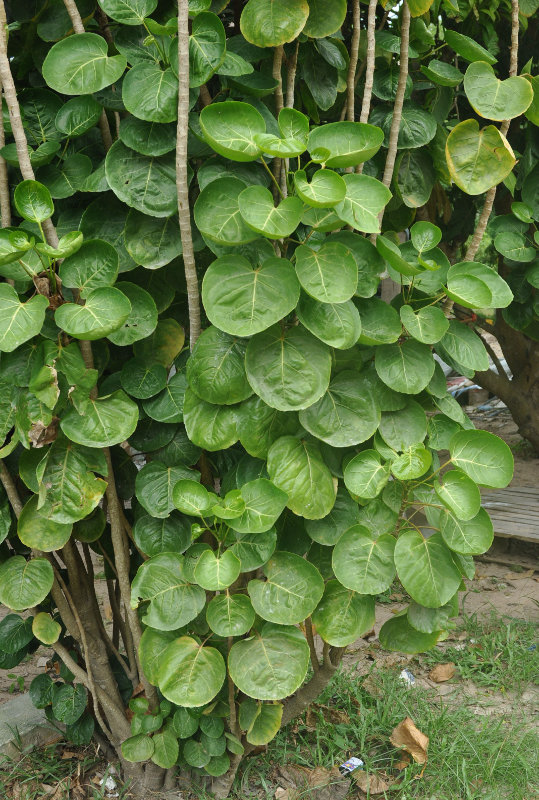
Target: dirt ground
[{"x": 495, "y": 587}]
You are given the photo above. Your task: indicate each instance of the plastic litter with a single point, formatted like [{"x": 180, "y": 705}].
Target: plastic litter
[
  {"x": 350, "y": 765},
  {"x": 532, "y": 647},
  {"x": 408, "y": 677}
]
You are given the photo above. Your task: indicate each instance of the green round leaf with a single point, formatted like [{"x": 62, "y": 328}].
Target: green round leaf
[
  {"x": 266, "y": 723},
  {"x": 41, "y": 691},
  {"x": 495, "y": 99},
  {"x": 190, "y": 674},
  {"x": 271, "y": 664},
  {"x": 154, "y": 485},
  {"x": 163, "y": 345},
  {"x": 324, "y": 20},
  {"x": 153, "y": 536},
  {"x": 38, "y": 532},
  {"x": 106, "y": 309},
  {"x": 342, "y": 616},
  {"x": 325, "y": 189},
  {"x": 476, "y": 285},
  {"x": 462, "y": 345},
  {"x": 254, "y": 549},
  {"x": 459, "y": 493},
  {"x": 443, "y": 74},
  {"x": 414, "y": 177},
  {"x": 296, "y": 467},
  {"x": 514, "y": 246},
  {"x": 192, "y": 498},
  {"x": 289, "y": 370},
  {"x": 66, "y": 178},
  {"x": 484, "y": 457},
  {"x": 195, "y": 754},
  {"x": 80, "y": 65},
  {"x": 138, "y": 748},
  {"x": 348, "y": 143},
  {"x": 151, "y": 93},
  {"x": 105, "y": 219},
  {"x": 380, "y": 323},
  {"x": 243, "y": 301},
  {"x": 94, "y": 265},
  {"x": 364, "y": 563},
  {"x": 292, "y": 589},
  {"x": 15, "y": 633},
  {"x": 365, "y": 198},
  {"x": 413, "y": 463},
  {"x": 343, "y": 515},
  {"x": 217, "y": 213},
  {"x": 216, "y": 368},
  {"x": 153, "y": 644},
  {"x": 206, "y": 48},
  {"x": 336, "y": 324},
  {"x": 365, "y": 475},
  {"x": 346, "y": 414},
  {"x": 398, "y": 634},
  {"x": 33, "y": 201},
  {"x": 173, "y": 602},
  {"x": 405, "y": 427},
  {"x": 103, "y": 422},
  {"x": 143, "y": 380},
  {"x": 230, "y": 615},
  {"x": 417, "y": 127},
  {"x": 142, "y": 319},
  {"x": 215, "y": 573},
  {"x": 152, "y": 241},
  {"x": 230, "y": 127},
  {"x": 281, "y": 148},
  {"x": 328, "y": 274},
  {"x": 19, "y": 321},
  {"x": 259, "y": 426},
  {"x": 478, "y": 159},
  {"x": 166, "y": 749},
  {"x": 78, "y": 115},
  {"x": 269, "y": 23},
  {"x": 24, "y": 584},
  {"x": 427, "y": 325},
  {"x": 46, "y": 629},
  {"x": 209, "y": 426},
  {"x": 258, "y": 211},
  {"x": 469, "y": 537},
  {"x": 185, "y": 723},
  {"x": 264, "y": 503},
  {"x": 147, "y": 138},
  {"x": 128, "y": 12},
  {"x": 69, "y": 702},
  {"x": 426, "y": 569},
  {"x": 406, "y": 367},
  {"x": 142, "y": 182}
]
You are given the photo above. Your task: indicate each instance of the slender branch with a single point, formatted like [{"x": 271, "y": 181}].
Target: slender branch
[
  {"x": 232, "y": 717},
  {"x": 5, "y": 207},
  {"x": 486, "y": 211},
  {"x": 74, "y": 16},
  {"x": 11, "y": 490},
  {"x": 277, "y": 72},
  {"x": 310, "y": 639},
  {"x": 369, "y": 73},
  {"x": 399, "y": 97},
  {"x": 352, "y": 66},
  {"x": 205, "y": 96},
  {"x": 291, "y": 77},
  {"x": 501, "y": 372},
  {"x": 182, "y": 182}
]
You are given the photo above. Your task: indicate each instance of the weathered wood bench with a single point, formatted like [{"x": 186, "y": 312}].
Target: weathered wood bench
[{"x": 514, "y": 512}]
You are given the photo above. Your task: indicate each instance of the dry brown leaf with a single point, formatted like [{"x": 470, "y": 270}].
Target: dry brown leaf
[
  {"x": 404, "y": 761},
  {"x": 518, "y": 576},
  {"x": 371, "y": 784},
  {"x": 410, "y": 738},
  {"x": 317, "y": 784},
  {"x": 442, "y": 672}
]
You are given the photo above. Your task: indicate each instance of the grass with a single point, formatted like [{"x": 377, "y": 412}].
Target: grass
[{"x": 498, "y": 653}]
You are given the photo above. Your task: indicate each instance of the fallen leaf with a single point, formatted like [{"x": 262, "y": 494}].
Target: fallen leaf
[
  {"x": 442, "y": 672},
  {"x": 518, "y": 576},
  {"x": 370, "y": 784},
  {"x": 316, "y": 784},
  {"x": 404, "y": 761},
  {"x": 410, "y": 738}
]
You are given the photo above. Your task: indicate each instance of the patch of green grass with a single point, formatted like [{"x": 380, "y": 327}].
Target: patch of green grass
[
  {"x": 470, "y": 757},
  {"x": 498, "y": 653}
]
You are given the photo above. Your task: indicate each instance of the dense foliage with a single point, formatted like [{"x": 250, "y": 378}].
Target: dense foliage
[{"x": 253, "y": 493}]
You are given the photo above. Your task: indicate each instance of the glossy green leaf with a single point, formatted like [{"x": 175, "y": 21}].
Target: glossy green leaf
[
  {"x": 102, "y": 422},
  {"x": 347, "y": 143},
  {"x": 342, "y": 616},
  {"x": 217, "y": 213},
  {"x": 152, "y": 241},
  {"x": 78, "y": 115},
  {"x": 467, "y": 48},
  {"x": 264, "y": 503},
  {"x": 472, "y": 536},
  {"x": 328, "y": 274},
  {"x": 514, "y": 246},
  {"x": 336, "y": 324},
  {"x": 427, "y": 325},
  {"x": 365, "y": 475},
  {"x": 151, "y": 93},
  {"x": 404, "y": 427},
  {"x": 470, "y": 284},
  {"x": 346, "y": 414},
  {"x": 46, "y": 629},
  {"x": 105, "y": 310},
  {"x": 478, "y": 159},
  {"x": 296, "y": 467},
  {"x": 153, "y": 644},
  {"x": 259, "y": 426},
  {"x": 148, "y": 138},
  {"x": 215, "y": 573},
  {"x": 66, "y": 178},
  {"x": 343, "y": 515},
  {"x": 19, "y": 321},
  {"x": 464, "y": 346},
  {"x": 259, "y": 213},
  {"x": 209, "y": 426},
  {"x": 380, "y": 323},
  {"x": 24, "y": 584},
  {"x": 362, "y": 562},
  {"x": 325, "y": 189},
  {"x": 173, "y": 602},
  {"x": 230, "y": 615},
  {"x": 69, "y": 702},
  {"x": 426, "y": 569},
  {"x": 365, "y": 198},
  {"x": 128, "y": 12},
  {"x": 484, "y": 457},
  {"x": 269, "y": 23},
  {"x": 271, "y": 664},
  {"x": 292, "y": 589},
  {"x": 288, "y": 369},
  {"x": 190, "y": 674},
  {"x": 142, "y": 319},
  {"x": 15, "y": 633},
  {"x": 143, "y": 380},
  {"x": 442, "y": 73},
  {"x": 153, "y": 536},
  {"x": 80, "y": 65},
  {"x": 265, "y": 724},
  {"x": 38, "y": 532},
  {"x": 405, "y": 367},
  {"x": 216, "y": 370},
  {"x": 459, "y": 493},
  {"x": 495, "y": 99},
  {"x": 414, "y": 177},
  {"x": 230, "y": 127},
  {"x": 146, "y": 183},
  {"x": 398, "y": 634},
  {"x": 154, "y": 485},
  {"x": 412, "y": 463},
  {"x": 33, "y": 201},
  {"x": 94, "y": 265}
]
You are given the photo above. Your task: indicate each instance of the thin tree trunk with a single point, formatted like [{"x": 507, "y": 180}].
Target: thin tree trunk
[
  {"x": 399, "y": 97},
  {"x": 5, "y": 207},
  {"x": 352, "y": 66},
  {"x": 182, "y": 184}
]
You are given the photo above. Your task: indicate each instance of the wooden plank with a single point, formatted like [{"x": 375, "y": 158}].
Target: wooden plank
[{"x": 514, "y": 512}]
